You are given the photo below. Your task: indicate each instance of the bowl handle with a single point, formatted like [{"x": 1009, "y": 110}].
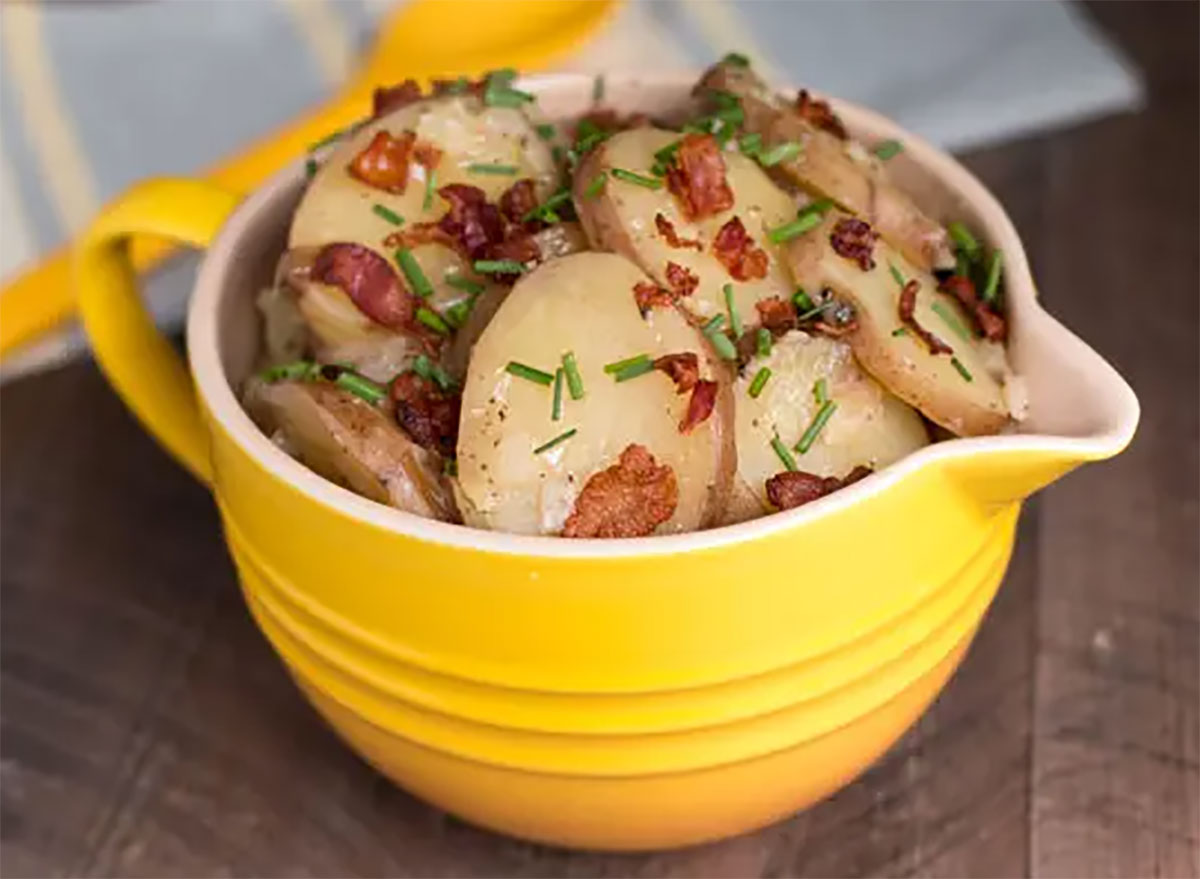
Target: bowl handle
[{"x": 141, "y": 364}]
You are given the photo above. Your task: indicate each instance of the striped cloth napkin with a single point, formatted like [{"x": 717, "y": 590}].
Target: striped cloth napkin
[{"x": 94, "y": 96}]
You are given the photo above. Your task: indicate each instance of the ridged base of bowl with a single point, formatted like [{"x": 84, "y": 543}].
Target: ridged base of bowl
[{"x": 643, "y": 812}]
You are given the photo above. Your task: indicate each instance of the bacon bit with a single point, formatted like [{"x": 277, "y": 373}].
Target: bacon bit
[
  {"x": 427, "y": 414},
  {"x": 649, "y": 295},
  {"x": 390, "y": 98},
  {"x": 696, "y": 176},
  {"x": 700, "y": 406},
  {"x": 667, "y": 230},
  {"x": 518, "y": 200},
  {"x": 794, "y": 488},
  {"x": 369, "y": 280},
  {"x": 737, "y": 252},
  {"x": 629, "y": 499},
  {"x": 426, "y": 154},
  {"x": 908, "y": 304},
  {"x": 384, "y": 162},
  {"x": 776, "y": 314},
  {"x": 455, "y": 86},
  {"x": 855, "y": 240},
  {"x": 517, "y": 245},
  {"x": 420, "y": 233},
  {"x": 471, "y": 221},
  {"x": 681, "y": 281},
  {"x": 820, "y": 114},
  {"x": 684, "y": 370},
  {"x": 987, "y": 321}
]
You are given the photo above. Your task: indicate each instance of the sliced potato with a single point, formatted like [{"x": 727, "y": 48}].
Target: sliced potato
[
  {"x": 869, "y": 427},
  {"x": 621, "y": 218},
  {"x": 354, "y": 444},
  {"x": 583, "y": 304},
  {"x": 967, "y": 401},
  {"x": 834, "y": 168}
]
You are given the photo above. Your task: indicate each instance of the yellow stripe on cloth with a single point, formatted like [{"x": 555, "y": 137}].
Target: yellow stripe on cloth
[
  {"x": 64, "y": 169},
  {"x": 722, "y": 28},
  {"x": 324, "y": 32}
]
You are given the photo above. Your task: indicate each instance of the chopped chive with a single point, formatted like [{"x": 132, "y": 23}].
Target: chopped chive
[
  {"x": 962, "y": 264},
  {"x": 762, "y": 342},
  {"x": 430, "y": 371},
  {"x": 545, "y": 131},
  {"x": 597, "y": 184},
  {"x": 472, "y": 287},
  {"x": 735, "y": 319},
  {"x": 801, "y": 300},
  {"x": 964, "y": 239},
  {"x": 618, "y": 365},
  {"x": 301, "y": 369},
  {"x": 598, "y": 89},
  {"x": 310, "y": 168},
  {"x": 498, "y": 170},
  {"x": 760, "y": 382},
  {"x": 992, "y": 287},
  {"x": 433, "y": 320},
  {"x": 725, "y": 349},
  {"x": 899, "y": 278},
  {"x": 458, "y": 86},
  {"x": 358, "y": 385},
  {"x": 810, "y": 435},
  {"x": 951, "y": 320},
  {"x": 900, "y": 331},
  {"x": 784, "y": 455},
  {"x": 574, "y": 379},
  {"x": 430, "y": 187},
  {"x": 450, "y": 467},
  {"x": 888, "y": 149},
  {"x": 821, "y": 391},
  {"x": 815, "y": 310},
  {"x": 520, "y": 370},
  {"x": 556, "y": 407},
  {"x": 633, "y": 370},
  {"x": 545, "y": 211},
  {"x": 639, "y": 179},
  {"x": 498, "y": 267},
  {"x": 750, "y": 144},
  {"x": 498, "y": 90},
  {"x": 561, "y": 438},
  {"x": 795, "y": 228},
  {"x": 388, "y": 214},
  {"x": 737, "y": 59},
  {"x": 714, "y": 324},
  {"x": 558, "y": 154},
  {"x": 456, "y": 315},
  {"x": 962, "y": 370},
  {"x": 412, "y": 271},
  {"x": 781, "y": 153}
]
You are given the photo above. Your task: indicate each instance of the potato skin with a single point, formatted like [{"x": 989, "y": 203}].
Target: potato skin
[
  {"x": 583, "y": 304},
  {"x": 621, "y": 219}
]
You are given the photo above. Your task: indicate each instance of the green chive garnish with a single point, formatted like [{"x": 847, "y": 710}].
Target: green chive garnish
[
  {"x": 472, "y": 287},
  {"x": 760, "y": 382},
  {"x": 618, "y": 365},
  {"x": 498, "y": 92},
  {"x": 458, "y": 86},
  {"x": 725, "y": 348},
  {"x": 430, "y": 187},
  {"x": 715, "y": 323},
  {"x": 388, "y": 214},
  {"x": 561, "y": 438},
  {"x": 556, "y": 408},
  {"x": 310, "y": 168},
  {"x": 430, "y": 371},
  {"x": 784, "y": 455},
  {"x": 810, "y": 436},
  {"x": 666, "y": 154},
  {"x": 951, "y": 320},
  {"x": 545, "y": 211},
  {"x": 737, "y": 59},
  {"x": 962, "y": 370},
  {"x": 964, "y": 239},
  {"x": 801, "y": 301},
  {"x": 558, "y": 154},
  {"x": 815, "y": 310},
  {"x": 598, "y": 89},
  {"x": 499, "y": 170},
  {"x": 520, "y": 370},
  {"x": 900, "y": 331},
  {"x": 795, "y": 228},
  {"x": 992, "y": 287},
  {"x": 412, "y": 271},
  {"x": 545, "y": 131},
  {"x": 450, "y": 467},
  {"x": 750, "y": 144},
  {"x": 433, "y": 320},
  {"x": 821, "y": 392},
  {"x": 597, "y": 184},
  {"x": 899, "y": 278},
  {"x": 962, "y": 264},
  {"x": 639, "y": 179},
  {"x": 633, "y": 370},
  {"x": 735, "y": 319},
  {"x": 888, "y": 149},
  {"x": 456, "y": 314},
  {"x": 360, "y": 386},
  {"x": 498, "y": 267},
  {"x": 574, "y": 379},
  {"x": 304, "y": 370},
  {"x": 781, "y": 153},
  {"x": 763, "y": 342}
]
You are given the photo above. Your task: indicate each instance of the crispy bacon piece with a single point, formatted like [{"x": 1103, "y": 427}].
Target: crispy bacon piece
[
  {"x": 700, "y": 406},
  {"x": 696, "y": 176},
  {"x": 420, "y": 233},
  {"x": 855, "y": 240},
  {"x": 667, "y": 230},
  {"x": 390, "y": 98},
  {"x": 682, "y": 281},
  {"x": 737, "y": 252},
  {"x": 820, "y": 114},
  {"x": 383, "y": 164},
  {"x": 426, "y": 154},
  {"x": 427, "y": 414},
  {"x": 684, "y": 370},
  {"x": 370, "y": 282},
  {"x": 517, "y": 245},
  {"x": 776, "y": 314},
  {"x": 987, "y": 321},
  {"x": 793, "y": 488},
  {"x": 649, "y": 295},
  {"x": 908, "y": 304},
  {"x": 629, "y": 499},
  {"x": 471, "y": 220},
  {"x": 458, "y": 87},
  {"x": 518, "y": 200}
]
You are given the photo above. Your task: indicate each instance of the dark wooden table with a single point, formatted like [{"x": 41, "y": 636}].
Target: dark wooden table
[{"x": 148, "y": 730}]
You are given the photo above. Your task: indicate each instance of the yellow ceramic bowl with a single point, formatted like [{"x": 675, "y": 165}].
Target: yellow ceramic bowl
[{"x": 608, "y": 694}]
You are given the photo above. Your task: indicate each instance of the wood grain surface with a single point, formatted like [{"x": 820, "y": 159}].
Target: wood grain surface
[{"x": 147, "y": 730}]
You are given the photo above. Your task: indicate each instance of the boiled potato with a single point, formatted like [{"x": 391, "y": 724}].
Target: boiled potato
[
  {"x": 584, "y": 304},
  {"x": 353, "y": 444},
  {"x": 967, "y": 401},
  {"x": 869, "y": 427},
  {"x": 621, "y": 218},
  {"x": 834, "y": 168}
]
